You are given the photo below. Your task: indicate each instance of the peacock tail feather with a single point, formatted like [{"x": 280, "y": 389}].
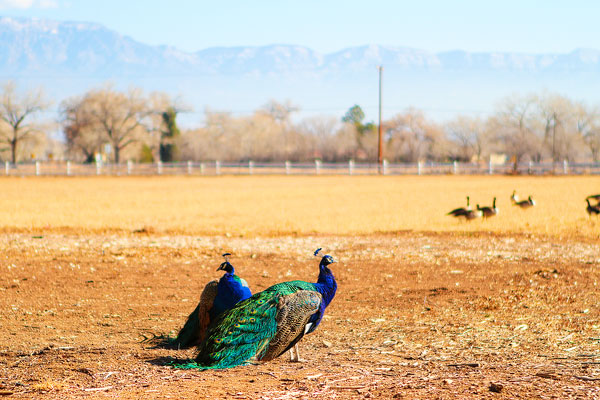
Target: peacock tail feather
[
  {"x": 249, "y": 331},
  {"x": 192, "y": 332}
]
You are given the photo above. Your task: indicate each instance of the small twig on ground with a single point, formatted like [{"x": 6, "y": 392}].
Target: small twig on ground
[
  {"x": 345, "y": 379},
  {"x": 270, "y": 374},
  {"x": 109, "y": 374},
  {"x": 347, "y": 387},
  {"x": 100, "y": 389},
  {"x": 473, "y": 365},
  {"x": 547, "y": 375},
  {"x": 586, "y": 378}
]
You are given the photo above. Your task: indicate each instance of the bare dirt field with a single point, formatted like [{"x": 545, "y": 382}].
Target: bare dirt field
[{"x": 505, "y": 308}]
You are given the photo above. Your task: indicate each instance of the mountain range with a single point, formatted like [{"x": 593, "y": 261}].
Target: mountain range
[{"x": 68, "y": 58}]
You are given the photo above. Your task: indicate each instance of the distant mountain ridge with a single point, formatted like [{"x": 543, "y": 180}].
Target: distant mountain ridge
[{"x": 243, "y": 77}]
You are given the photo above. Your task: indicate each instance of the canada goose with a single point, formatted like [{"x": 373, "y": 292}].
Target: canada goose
[
  {"x": 473, "y": 214},
  {"x": 525, "y": 203},
  {"x": 595, "y": 197},
  {"x": 489, "y": 211},
  {"x": 460, "y": 212},
  {"x": 592, "y": 209}
]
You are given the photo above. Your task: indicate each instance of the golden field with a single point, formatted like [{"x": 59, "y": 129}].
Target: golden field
[{"x": 276, "y": 205}]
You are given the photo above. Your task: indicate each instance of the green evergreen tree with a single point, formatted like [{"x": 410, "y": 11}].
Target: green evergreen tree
[{"x": 168, "y": 148}]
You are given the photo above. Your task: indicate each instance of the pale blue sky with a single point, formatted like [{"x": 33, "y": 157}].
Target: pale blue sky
[{"x": 330, "y": 25}]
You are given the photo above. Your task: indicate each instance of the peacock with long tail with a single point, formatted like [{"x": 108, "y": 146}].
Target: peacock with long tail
[
  {"x": 269, "y": 323},
  {"x": 218, "y": 296}
]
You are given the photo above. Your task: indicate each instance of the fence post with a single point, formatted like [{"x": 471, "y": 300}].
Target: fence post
[
  {"x": 385, "y": 167},
  {"x": 189, "y": 167},
  {"x": 250, "y": 167},
  {"x": 98, "y": 167},
  {"x": 159, "y": 167},
  {"x": 7, "y": 167},
  {"x": 530, "y": 168},
  {"x": 287, "y": 167},
  {"x": 317, "y": 167},
  {"x": 68, "y": 168},
  {"x": 455, "y": 167},
  {"x": 37, "y": 168},
  {"x": 490, "y": 167},
  {"x": 129, "y": 167},
  {"x": 565, "y": 167},
  {"x": 201, "y": 168},
  {"x": 217, "y": 167},
  {"x": 351, "y": 167},
  {"x": 419, "y": 168}
]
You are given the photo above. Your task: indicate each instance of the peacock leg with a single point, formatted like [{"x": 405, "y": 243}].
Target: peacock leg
[
  {"x": 297, "y": 352},
  {"x": 291, "y": 350}
]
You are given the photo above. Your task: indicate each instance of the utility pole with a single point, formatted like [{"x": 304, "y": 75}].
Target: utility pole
[{"x": 380, "y": 150}]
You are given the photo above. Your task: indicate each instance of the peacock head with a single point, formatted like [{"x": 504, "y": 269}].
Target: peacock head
[
  {"x": 326, "y": 260},
  {"x": 226, "y": 266}
]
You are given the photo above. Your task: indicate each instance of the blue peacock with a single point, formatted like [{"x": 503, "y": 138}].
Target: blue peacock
[
  {"x": 217, "y": 297},
  {"x": 269, "y": 323}
]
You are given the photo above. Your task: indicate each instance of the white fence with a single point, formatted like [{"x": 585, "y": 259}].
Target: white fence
[{"x": 68, "y": 168}]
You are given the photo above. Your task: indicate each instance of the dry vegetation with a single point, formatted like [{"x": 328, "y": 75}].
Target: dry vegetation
[
  {"x": 282, "y": 205},
  {"x": 427, "y": 307}
]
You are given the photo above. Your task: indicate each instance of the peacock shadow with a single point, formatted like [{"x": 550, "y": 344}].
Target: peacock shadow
[
  {"x": 169, "y": 361},
  {"x": 160, "y": 342}
]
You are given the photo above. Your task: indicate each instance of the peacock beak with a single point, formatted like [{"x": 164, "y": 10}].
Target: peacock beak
[{"x": 222, "y": 267}]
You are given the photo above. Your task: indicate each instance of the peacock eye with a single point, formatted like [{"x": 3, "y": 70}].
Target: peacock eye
[
  {"x": 236, "y": 325},
  {"x": 260, "y": 301},
  {"x": 252, "y": 319},
  {"x": 242, "y": 320},
  {"x": 230, "y": 333},
  {"x": 253, "y": 312},
  {"x": 218, "y": 340}
]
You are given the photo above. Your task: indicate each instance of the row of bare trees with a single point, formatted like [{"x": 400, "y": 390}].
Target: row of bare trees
[{"x": 131, "y": 125}]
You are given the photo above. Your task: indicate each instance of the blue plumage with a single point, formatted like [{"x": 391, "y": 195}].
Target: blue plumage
[
  {"x": 267, "y": 324},
  {"x": 217, "y": 297}
]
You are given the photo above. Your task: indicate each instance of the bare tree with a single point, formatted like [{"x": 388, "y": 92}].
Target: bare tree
[
  {"x": 16, "y": 111},
  {"x": 117, "y": 118},
  {"x": 81, "y": 130},
  {"x": 411, "y": 137},
  {"x": 469, "y": 134},
  {"x": 513, "y": 128},
  {"x": 557, "y": 116},
  {"x": 587, "y": 121},
  {"x": 280, "y": 112}
]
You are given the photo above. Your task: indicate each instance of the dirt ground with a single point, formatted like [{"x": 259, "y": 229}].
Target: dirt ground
[{"x": 416, "y": 316}]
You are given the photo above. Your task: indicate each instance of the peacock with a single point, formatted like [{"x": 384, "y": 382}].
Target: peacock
[
  {"x": 217, "y": 297},
  {"x": 269, "y": 323}
]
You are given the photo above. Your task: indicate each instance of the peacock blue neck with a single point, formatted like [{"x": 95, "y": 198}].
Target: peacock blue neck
[
  {"x": 230, "y": 291},
  {"x": 326, "y": 284}
]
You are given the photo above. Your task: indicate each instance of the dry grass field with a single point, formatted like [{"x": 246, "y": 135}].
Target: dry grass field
[
  {"x": 250, "y": 206},
  {"x": 427, "y": 307}
]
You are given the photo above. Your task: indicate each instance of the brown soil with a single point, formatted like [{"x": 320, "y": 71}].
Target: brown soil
[{"x": 416, "y": 316}]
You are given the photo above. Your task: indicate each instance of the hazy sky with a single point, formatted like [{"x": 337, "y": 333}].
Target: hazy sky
[{"x": 331, "y": 25}]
